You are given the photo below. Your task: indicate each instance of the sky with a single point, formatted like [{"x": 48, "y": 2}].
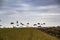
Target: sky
[{"x": 32, "y": 11}]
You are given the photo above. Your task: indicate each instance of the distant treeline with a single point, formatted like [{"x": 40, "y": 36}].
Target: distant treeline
[{"x": 55, "y": 31}]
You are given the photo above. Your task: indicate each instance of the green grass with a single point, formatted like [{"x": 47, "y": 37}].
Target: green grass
[{"x": 24, "y": 34}]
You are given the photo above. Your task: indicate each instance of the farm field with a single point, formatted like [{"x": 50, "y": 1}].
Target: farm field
[{"x": 24, "y": 34}]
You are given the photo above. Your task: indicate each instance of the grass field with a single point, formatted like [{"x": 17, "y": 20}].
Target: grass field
[{"x": 24, "y": 34}]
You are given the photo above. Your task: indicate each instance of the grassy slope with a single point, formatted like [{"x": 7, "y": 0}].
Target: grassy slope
[{"x": 24, "y": 34}]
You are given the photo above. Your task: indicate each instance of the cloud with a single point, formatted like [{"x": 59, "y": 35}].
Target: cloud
[
  {"x": 41, "y": 2},
  {"x": 26, "y": 9},
  {"x": 22, "y": 7},
  {"x": 58, "y": 2},
  {"x": 29, "y": 10}
]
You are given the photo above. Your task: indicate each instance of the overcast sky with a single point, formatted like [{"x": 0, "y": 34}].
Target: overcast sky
[{"x": 32, "y": 11}]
